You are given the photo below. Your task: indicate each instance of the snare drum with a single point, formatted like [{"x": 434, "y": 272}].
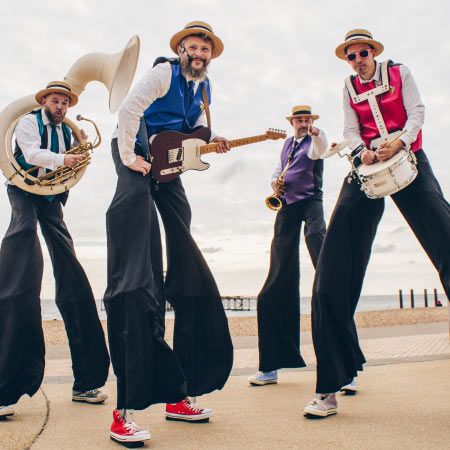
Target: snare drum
[{"x": 386, "y": 178}]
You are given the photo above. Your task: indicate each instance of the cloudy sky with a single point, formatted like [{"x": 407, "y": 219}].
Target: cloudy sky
[{"x": 277, "y": 54}]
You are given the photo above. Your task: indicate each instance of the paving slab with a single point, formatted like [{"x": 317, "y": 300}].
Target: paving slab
[
  {"x": 398, "y": 406},
  {"x": 22, "y": 429}
]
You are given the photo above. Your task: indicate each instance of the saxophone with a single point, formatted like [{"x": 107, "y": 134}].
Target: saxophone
[{"x": 273, "y": 201}]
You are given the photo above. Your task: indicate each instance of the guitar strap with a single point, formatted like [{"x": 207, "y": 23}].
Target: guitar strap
[
  {"x": 143, "y": 136},
  {"x": 206, "y": 106}
]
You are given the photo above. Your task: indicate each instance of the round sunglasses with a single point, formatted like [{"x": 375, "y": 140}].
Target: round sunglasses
[{"x": 363, "y": 54}]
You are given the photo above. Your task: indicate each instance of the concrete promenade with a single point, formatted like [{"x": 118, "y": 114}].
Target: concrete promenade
[{"x": 403, "y": 402}]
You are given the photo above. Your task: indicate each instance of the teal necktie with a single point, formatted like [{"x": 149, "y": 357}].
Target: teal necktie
[
  {"x": 54, "y": 147},
  {"x": 54, "y": 143}
]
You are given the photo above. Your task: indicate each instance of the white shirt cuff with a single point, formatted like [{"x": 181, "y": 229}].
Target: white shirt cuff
[
  {"x": 406, "y": 140},
  {"x": 58, "y": 160},
  {"x": 129, "y": 159}
]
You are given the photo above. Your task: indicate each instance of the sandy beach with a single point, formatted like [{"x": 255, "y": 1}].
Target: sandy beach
[{"x": 247, "y": 326}]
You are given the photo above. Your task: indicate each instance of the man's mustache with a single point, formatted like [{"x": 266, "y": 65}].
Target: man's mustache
[{"x": 196, "y": 58}]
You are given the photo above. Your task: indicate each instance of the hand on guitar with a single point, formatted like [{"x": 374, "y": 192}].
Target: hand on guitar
[
  {"x": 223, "y": 144},
  {"x": 388, "y": 150},
  {"x": 140, "y": 165}
]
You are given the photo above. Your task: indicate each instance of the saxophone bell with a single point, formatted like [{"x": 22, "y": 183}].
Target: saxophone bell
[{"x": 273, "y": 202}]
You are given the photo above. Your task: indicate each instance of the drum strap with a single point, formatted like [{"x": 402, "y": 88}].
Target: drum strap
[{"x": 371, "y": 97}]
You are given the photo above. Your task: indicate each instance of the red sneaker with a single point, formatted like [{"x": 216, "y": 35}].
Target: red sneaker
[
  {"x": 187, "y": 411},
  {"x": 122, "y": 431}
]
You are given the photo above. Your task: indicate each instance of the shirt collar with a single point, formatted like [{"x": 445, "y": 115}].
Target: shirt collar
[{"x": 376, "y": 76}]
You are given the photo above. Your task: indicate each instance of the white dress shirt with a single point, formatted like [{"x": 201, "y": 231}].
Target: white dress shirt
[
  {"x": 317, "y": 148},
  {"x": 155, "y": 84},
  {"x": 29, "y": 140},
  {"x": 415, "y": 109}
]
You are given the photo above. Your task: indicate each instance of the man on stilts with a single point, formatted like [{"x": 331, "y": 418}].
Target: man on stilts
[
  {"x": 42, "y": 140},
  {"x": 395, "y": 105},
  {"x": 301, "y": 170},
  {"x": 170, "y": 96}
]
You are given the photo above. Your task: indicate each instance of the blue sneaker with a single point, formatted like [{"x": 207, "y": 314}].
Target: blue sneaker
[{"x": 263, "y": 378}]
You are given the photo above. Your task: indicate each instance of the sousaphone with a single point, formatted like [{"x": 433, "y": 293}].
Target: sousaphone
[{"x": 115, "y": 71}]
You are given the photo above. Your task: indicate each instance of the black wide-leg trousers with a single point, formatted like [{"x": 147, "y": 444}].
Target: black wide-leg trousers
[
  {"x": 344, "y": 258},
  {"x": 203, "y": 354},
  {"x": 22, "y": 348},
  {"x": 278, "y": 306}
]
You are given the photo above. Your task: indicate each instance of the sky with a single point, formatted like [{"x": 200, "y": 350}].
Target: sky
[{"x": 277, "y": 55}]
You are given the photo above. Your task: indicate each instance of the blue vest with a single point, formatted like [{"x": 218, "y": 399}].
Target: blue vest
[{"x": 173, "y": 111}]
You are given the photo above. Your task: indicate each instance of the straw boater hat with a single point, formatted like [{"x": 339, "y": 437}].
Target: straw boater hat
[
  {"x": 57, "y": 87},
  {"x": 301, "y": 110},
  {"x": 197, "y": 28},
  {"x": 358, "y": 36}
]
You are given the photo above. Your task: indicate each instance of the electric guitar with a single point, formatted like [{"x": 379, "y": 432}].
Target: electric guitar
[{"x": 173, "y": 153}]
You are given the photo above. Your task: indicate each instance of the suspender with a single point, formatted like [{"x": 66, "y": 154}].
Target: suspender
[{"x": 371, "y": 97}]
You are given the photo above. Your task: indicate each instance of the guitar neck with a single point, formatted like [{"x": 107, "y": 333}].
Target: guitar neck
[{"x": 210, "y": 148}]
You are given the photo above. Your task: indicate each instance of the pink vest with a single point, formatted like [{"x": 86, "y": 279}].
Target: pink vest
[{"x": 391, "y": 107}]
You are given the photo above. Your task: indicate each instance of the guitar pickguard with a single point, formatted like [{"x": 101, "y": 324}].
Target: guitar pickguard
[{"x": 174, "y": 153}]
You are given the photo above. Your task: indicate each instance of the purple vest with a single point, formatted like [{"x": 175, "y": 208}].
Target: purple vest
[{"x": 304, "y": 176}]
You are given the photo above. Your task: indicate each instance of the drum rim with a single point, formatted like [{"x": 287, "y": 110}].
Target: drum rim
[{"x": 401, "y": 156}]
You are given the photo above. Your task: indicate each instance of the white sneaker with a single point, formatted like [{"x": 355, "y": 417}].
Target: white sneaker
[
  {"x": 6, "y": 411},
  {"x": 350, "y": 388},
  {"x": 322, "y": 406},
  {"x": 263, "y": 378}
]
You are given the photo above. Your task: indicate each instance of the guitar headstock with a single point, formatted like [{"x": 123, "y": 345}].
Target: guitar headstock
[{"x": 273, "y": 133}]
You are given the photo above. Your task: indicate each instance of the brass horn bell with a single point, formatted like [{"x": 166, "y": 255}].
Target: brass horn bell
[
  {"x": 274, "y": 203},
  {"x": 115, "y": 71}
]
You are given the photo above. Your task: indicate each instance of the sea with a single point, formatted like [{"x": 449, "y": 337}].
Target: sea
[{"x": 246, "y": 306}]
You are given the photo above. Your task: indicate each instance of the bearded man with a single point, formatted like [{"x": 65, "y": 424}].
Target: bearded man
[
  {"x": 170, "y": 96},
  {"x": 42, "y": 139}
]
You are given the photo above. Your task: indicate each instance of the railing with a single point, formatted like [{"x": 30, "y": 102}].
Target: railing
[{"x": 230, "y": 303}]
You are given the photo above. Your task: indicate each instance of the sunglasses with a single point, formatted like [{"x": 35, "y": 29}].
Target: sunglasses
[{"x": 362, "y": 54}]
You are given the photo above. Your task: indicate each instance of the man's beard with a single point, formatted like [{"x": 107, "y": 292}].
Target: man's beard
[
  {"x": 196, "y": 74},
  {"x": 56, "y": 120},
  {"x": 301, "y": 133}
]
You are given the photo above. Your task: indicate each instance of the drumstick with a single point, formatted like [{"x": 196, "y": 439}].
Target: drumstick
[
  {"x": 395, "y": 138},
  {"x": 390, "y": 142}
]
